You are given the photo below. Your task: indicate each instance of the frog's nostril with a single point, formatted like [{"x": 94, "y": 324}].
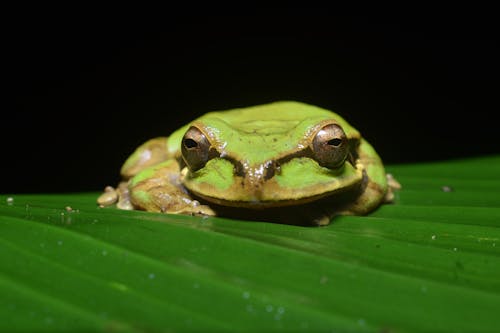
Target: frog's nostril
[
  {"x": 255, "y": 176},
  {"x": 269, "y": 173},
  {"x": 270, "y": 169}
]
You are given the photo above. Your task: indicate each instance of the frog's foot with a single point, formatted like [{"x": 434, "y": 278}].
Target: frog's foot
[
  {"x": 392, "y": 185},
  {"x": 108, "y": 197},
  {"x": 119, "y": 196},
  {"x": 167, "y": 198},
  {"x": 158, "y": 189}
]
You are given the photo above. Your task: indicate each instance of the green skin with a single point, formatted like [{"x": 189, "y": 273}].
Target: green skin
[{"x": 258, "y": 167}]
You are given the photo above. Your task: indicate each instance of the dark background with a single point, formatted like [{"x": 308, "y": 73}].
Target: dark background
[{"x": 84, "y": 92}]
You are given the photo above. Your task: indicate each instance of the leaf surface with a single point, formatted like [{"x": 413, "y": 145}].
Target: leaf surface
[{"x": 428, "y": 262}]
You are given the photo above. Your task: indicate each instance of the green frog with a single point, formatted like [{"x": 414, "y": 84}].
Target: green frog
[{"x": 286, "y": 162}]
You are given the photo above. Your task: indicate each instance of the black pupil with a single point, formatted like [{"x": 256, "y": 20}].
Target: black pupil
[
  {"x": 335, "y": 142},
  {"x": 190, "y": 143}
]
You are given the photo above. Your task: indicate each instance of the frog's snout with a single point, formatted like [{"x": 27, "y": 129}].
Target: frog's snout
[{"x": 256, "y": 175}]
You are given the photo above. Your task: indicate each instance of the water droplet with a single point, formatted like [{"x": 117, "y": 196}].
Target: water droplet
[
  {"x": 455, "y": 249},
  {"x": 59, "y": 242},
  {"x": 361, "y": 322},
  {"x": 104, "y": 252},
  {"x": 281, "y": 310},
  {"x": 196, "y": 285},
  {"x": 246, "y": 295},
  {"x": 323, "y": 280},
  {"x": 151, "y": 275},
  {"x": 269, "y": 308},
  {"x": 433, "y": 237},
  {"x": 423, "y": 289},
  {"x": 68, "y": 208},
  {"x": 447, "y": 188},
  {"x": 10, "y": 201},
  {"x": 249, "y": 308}
]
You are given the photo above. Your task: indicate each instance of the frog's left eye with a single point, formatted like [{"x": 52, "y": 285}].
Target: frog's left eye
[
  {"x": 195, "y": 149},
  {"x": 330, "y": 146}
]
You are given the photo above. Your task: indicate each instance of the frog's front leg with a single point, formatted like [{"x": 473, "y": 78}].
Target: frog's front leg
[
  {"x": 151, "y": 152},
  {"x": 159, "y": 189}
]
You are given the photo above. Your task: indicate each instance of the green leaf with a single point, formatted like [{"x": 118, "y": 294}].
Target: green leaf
[{"x": 428, "y": 262}]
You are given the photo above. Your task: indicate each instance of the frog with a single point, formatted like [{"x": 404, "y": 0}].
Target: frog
[{"x": 284, "y": 161}]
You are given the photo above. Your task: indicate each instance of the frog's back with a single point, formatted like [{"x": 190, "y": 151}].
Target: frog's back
[
  {"x": 286, "y": 114},
  {"x": 285, "y": 122},
  {"x": 284, "y": 110}
]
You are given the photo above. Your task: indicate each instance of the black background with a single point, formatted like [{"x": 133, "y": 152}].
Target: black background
[{"x": 86, "y": 91}]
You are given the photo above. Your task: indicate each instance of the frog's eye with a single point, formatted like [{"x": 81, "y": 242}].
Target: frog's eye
[
  {"x": 330, "y": 146},
  {"x": 195, "y": 149}
]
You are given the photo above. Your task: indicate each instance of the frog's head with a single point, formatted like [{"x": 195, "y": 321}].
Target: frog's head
[{"x": 268, "y": 156}]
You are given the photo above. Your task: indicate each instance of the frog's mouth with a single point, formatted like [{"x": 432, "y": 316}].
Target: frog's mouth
[
  {"x": 258, "y": 204},
  {"x": 298, "y": 181}
]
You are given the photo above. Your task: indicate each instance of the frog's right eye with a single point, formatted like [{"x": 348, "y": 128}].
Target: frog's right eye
[{"x": 195, "y": 149}]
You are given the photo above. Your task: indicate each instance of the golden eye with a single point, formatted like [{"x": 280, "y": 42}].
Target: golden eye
[
  {"x": 195, "y": 149},
  {"x": 330, "y": 146}
]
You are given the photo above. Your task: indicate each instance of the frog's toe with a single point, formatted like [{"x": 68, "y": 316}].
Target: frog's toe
[
  {"x": 108, "y": 197},
  {"x": 124, "y": 197},
  {"x": 389, "y": 196},
  {"x": 322, "y": 221},
  {"x": 392, "y": 182},
  {"x": 393, "y": 185}
]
